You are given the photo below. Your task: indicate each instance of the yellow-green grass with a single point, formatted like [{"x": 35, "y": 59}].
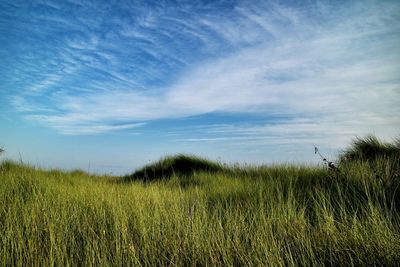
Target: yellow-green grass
[{"x": 250, "y": 216}]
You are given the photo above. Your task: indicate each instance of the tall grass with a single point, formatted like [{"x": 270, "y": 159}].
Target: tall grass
[
  {"x": 254, "y": 216},
  {"x": 369, "y": 148}
]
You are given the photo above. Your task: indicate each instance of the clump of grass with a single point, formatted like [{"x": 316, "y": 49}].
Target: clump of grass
[
  {"x": 383, "y": 161},
  {"x": 180, "y": 165},
  {"x": 370, "y": 148}
]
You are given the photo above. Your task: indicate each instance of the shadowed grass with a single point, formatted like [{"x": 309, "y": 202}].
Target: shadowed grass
[
  {"x": 370, "y": 148},
  {"x": 181, "y": 165},
  {"x": 382, "y": 160}
]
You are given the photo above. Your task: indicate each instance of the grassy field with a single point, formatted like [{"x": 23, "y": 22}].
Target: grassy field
[{"x": 170, "y": 214}]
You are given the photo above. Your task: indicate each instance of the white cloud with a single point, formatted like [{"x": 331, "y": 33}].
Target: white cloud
[
  {"x": 46, "y": 83},
  {"x": 78, "y": 125},
  {"x": 344, "y": 71}
]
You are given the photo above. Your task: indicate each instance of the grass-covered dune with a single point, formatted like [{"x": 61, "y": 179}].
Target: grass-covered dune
[
  {"x": 201, "y": 214},
  {"x": 179, "y": 165}
]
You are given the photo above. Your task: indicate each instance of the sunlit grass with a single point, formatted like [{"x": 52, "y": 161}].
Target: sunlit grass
[{"x": 254, "y": 216}]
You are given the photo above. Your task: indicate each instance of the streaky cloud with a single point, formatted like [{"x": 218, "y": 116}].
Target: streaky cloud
[{"x": 156, "y": 62}]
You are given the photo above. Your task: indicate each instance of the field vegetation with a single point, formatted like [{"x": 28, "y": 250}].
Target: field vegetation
[{"x": 188, "y": 211}]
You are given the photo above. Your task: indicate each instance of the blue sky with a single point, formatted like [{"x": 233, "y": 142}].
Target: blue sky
[{"x": 107, "y": 86}]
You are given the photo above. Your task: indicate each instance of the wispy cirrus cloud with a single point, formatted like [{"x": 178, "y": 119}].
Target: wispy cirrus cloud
[{"x": 327, "y": 63}]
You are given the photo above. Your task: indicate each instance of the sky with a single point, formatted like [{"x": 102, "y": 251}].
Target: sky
[{"x": 107, "y": 86}]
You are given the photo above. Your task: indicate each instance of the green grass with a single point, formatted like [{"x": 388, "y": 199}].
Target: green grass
[
  {"x": 370, "y": 147},
  {"x": 230, "y": 216}
]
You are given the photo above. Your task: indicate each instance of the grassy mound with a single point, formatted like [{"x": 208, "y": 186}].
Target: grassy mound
[
  {"x": 180, "y": 165},
  {"x": 370, "y": 148},
  {"x": 383, "y": 161}
]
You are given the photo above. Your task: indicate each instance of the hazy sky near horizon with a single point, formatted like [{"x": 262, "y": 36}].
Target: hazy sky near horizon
[{"x": 110, "y": 85}]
